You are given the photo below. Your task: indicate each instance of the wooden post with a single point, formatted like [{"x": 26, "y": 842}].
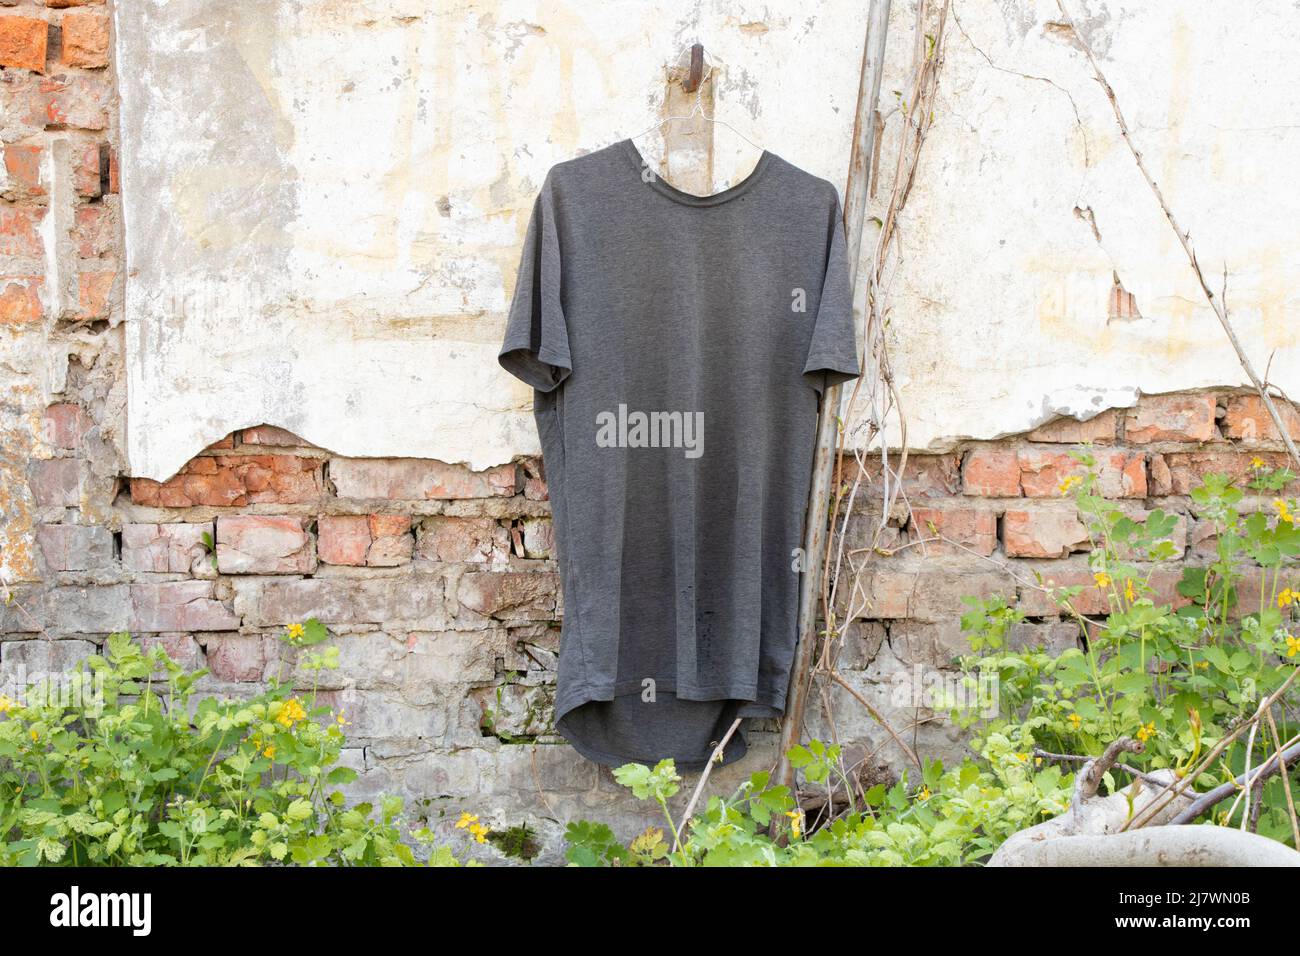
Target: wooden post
[{"x": 856, "y": 192}]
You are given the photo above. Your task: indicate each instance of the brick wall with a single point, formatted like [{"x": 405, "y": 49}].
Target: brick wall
[{"x": 438, "y": 583}]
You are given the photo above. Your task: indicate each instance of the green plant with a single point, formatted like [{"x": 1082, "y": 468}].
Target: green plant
[
  {"x": 120, "y": 765},
  {"x": 1180, "y": 680}
]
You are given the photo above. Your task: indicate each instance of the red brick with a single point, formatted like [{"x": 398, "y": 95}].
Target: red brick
[
  {"x": 1162, "y": 482},
  {"x": 76, "y": 101},
  {"x": 85, "y": 39},
  {"x": 975, "y": 529},
  {"x": 463, "y": 540},
  {"x": 72, "y": 3},
  {"x": 1091, "y": 600},
  {"x": 239, "y": 658},
  {"x": 85, "y": 171},
  {"x": 234, "y": 480},
  {"x": 925, "y": 476},
  {"x": 417, "y": 479},
  {"x": 20, "y": 300},
  {"x": 1186, "y": 469},
  {"x": 391, "y": 543},
  {"x": 1099, "y": 430},
  {"x": 65, "y": 424},
  {"x": 1158, "y": 418},
  {"x": 183, "y": 649},
  {"x": 224, "y": 444},
  {"x": 23, "y": 42},
  {"x": 264, "y": 544},
  {"x": 169, "y": 547},
  {"x": 343, "y": 539},
  {"x": 18, "y": 232},
  {"x": 534, "y": 479},
  {"x": 74, "y": 547},
  {"x": 1043, "y": 533},
  {"x": 539, "y": 538},
  {"x": 114, "y": 172},
  {"x": 93, "y": 231},
  {"x": 1248, "y": 419},
  {"x": 179, "y": 606},
  {"x": 992, "y": 473},
  {"x": 931, "y": 595},
  {"x": 93, "y": 290},
  {"x": 56, "y": 482},
  {"x": 23, "y": 162},
  {"x": 509, "y": 595},
  {"x": 1120, "y": 474}
]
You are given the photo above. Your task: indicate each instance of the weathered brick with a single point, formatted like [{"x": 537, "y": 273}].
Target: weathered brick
[
  {"x": 93, "y": 231},
  {"x": 234, "y": 480},
  {"x": 1162, "y": 482},
  {"x": 23, "y": 43},
  {"x": 925, "y": 595},
  {"x": 270, "y": 435},
  {"x": 1120, "y": 474},
  {"x": 85, "y": 171},
  {"x": 24, "y": 168},
  {"x": 1187, "y": 469},
  {"x": 453, "y": 657},
  {"x": 164, "y": 547},
  {"x": 94, "y": 290},
  {"x": 1043, "y": 533},
  {"x": 509, "y": 595},
  {"x": 64, "y": 425},
  {"x": 539, "y": 538},
  {"x": 1172, "y": 418},
  {"x": 239, "y": 658},
  {"x": 264, "y": 544},
  {"x": 1248, "y": 419},
  {"x": 991, "y": 473},
  {"x": 924, "y": 476},
  {"x": 1037, "y": 602},
  {"x": 417, "y": 479},
  {"x": 81, "y": 609},
  {"x": 1055, "y": 637},
  {"x": 183, "y": 649},
  {"x": 76, "y": 100},
  {"x": 29, "y": 662},
  {"x": 1099, "y": 430},
  {"x": 57, "y": 481},
  {"x": 534, "y": 479},
  {"x": 85, "y": 39},
  {"x": 72, "y": 3},
  {"x": 179, "y": 606},
  {"x": 343, "y": 539},
  {"x": 20, "y": 300},
  {"x": 75, "y": 547},
  {"x": 410, "y": 600},
  {"x": 444, "y": 538},
  {"x": 19, "y": 237},
  {"x": 391, "y": 543},
  {"x": 973, "y": 528}
]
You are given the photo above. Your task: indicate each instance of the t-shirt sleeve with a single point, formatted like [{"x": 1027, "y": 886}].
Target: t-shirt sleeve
[
  {"x": 536, "y": 346},
  {"x": 833, "y": 352}
]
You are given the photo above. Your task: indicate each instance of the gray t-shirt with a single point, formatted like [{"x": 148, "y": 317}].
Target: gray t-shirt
[{"x": 678, "y": 346}]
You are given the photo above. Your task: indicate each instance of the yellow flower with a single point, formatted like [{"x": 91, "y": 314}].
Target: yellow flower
[
  {"x": 1022, "y": 757},
  {"x": 1203, "y": 665},
  {"x": 466, "y": 819},
  {"x": 1128, "y": 591},
  {"x": 1257, "y": 463},
  {"x": 269, "y": 751},
  {"x": 1075, "y": 721},
  {"x": 7, "y": 704},
  {"x": 1287, "y": 598},
  {"x": 924, "y": 794},
  {"x": 1069, "y": 483},
  {"x": 291, "y": 713},
  {"x": 1283, "y": 511},
  {"x": 1292, "y": 646},
  {"x": 35, "y": 736},
  {"x": 1146, "y": 732},
  {"x": 340, "y": 721},
  {"x": 1102, "y": 579},
  {"x": 796, "y": 822},
  {"x": 295, "y": 632}
]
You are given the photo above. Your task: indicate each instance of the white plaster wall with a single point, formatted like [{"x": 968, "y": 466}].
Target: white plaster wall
[
  {"x": 1000, "y": 315},
  {"x": 324, "y": 201}
]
